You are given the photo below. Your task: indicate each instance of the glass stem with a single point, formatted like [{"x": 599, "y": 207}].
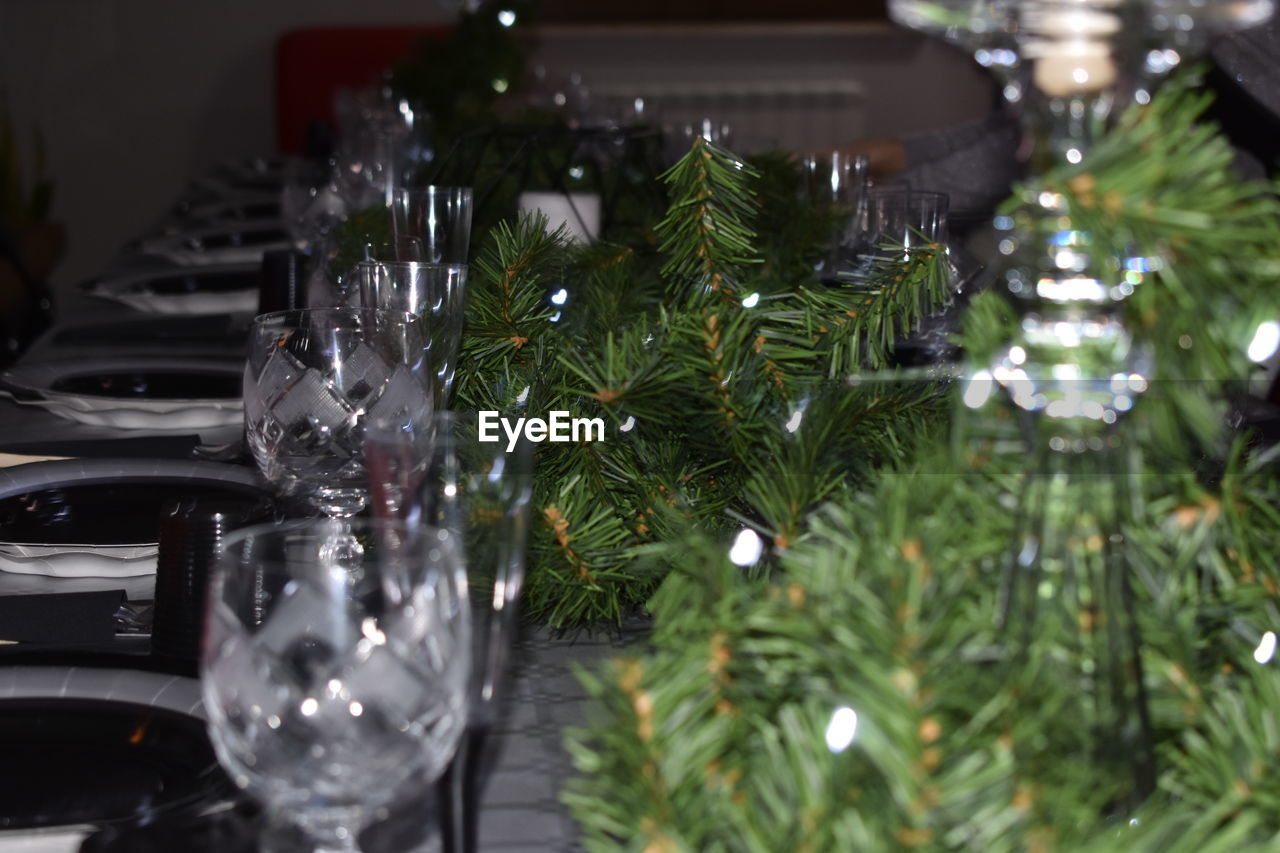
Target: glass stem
[
  {"x": 335, "y": 830},
  {"x": 1067, "y": 576}
]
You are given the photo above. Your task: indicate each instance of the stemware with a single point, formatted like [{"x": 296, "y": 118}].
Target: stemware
[
  {"x": 480, "y": 492},
  {"x": 330, "y": 681},
  {"x": 435, "y": 292},
  {"x": 309, "y": 201},
  {"x": 314, "y": 379},
  {"x": 438, "y": 216}
]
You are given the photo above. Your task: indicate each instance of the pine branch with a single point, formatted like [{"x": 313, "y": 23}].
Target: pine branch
[
  {"x": 833, "y": 332},
  {"x": 707, "y": 235}
]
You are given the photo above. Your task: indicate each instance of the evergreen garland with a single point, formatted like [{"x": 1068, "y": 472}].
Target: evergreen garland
[
  {"x": 858, "y": 689},
  {"x": 702, "y": 360}
]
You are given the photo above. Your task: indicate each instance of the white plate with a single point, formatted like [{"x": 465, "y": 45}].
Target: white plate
[
  {"x": 66, "y": 839},
  {"x": 235, "y": 243},
  {"x": 117, "y": 566},
  {"x": 32, "y": 550},
  {"x": 80, "y": 564},
  {"x": 147, "y": 291},
  {"x": 158, "y": 690},
  {"x": 158, "y": 413}
]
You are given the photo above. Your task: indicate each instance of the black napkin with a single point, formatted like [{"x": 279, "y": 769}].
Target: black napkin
[
  {"x": 63, "y": 617},
  {"x": 200, "y": 328}
]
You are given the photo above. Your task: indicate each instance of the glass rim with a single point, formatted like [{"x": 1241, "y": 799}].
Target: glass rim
[
  {"x": 318, "y": 524},
  {"x": 427, "y": 265},
  {"x": 430, "y": 190},
  {"x": 291, "y": 316}
]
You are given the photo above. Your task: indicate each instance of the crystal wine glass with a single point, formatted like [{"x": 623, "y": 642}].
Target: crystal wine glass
[
  {"x": 329, "y": 681},
  {"x": 314, "y": 379}
]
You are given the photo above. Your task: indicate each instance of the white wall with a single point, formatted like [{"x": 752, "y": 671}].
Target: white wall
[
  {"x": 911, "y": 84},
  {"x": 136, "y": 96}
]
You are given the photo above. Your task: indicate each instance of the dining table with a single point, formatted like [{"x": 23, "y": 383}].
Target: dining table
[{"x": 51, "y": 654}]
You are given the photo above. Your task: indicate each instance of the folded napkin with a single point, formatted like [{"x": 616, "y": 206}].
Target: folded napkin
[{"x": 58, "y": 841}]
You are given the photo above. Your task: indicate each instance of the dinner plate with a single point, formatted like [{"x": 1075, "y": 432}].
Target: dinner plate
[
  {"x": 79, "y": 563},
  {"x": 84, "y": 524},
  {"x": 228, "y": 212},
  {"x": 240, "y": 242},
  {"x": 226, "y": 288},
  {"x": 133, "y": 393},
  {"x": 88, "y": 747}
]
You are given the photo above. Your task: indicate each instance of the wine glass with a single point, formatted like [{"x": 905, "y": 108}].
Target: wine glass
[
  {"x": 438, "y": 216},
  {"x": 329, "y": 681},
  {"x": 435, "y": 292},
  {"x": 480, "y": 492},
  {"x": 309, "y": 201},
  {"x": 314, "y": 379}
]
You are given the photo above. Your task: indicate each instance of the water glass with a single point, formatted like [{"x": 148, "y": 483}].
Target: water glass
[
  {"x": 838, "y": 183},
  {"x": 438, "y": 216},
  {"x": 907, "y": 218},
  {"x": 435, "y": 292},
  {"x": 314, "y": 380},
  {"x": 331, "y": 676}
]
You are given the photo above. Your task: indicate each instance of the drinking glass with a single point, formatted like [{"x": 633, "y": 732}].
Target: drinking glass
[
  {"x": 680, "y": 138},
  {"x": 898, "y": 216},
  {"x": 309, "y": 201},
  {"x": 438, "y": 216},
  {"x": 401, "y": 248},
  {"x": 480, "y": 492},
  {"x": 838, "y": 183},
  {"x": 433, "y": 291},
  {"x": 314, "y": 379},
  {"x": 370, "y": 163},
  {"x": 329, "y": 681}
]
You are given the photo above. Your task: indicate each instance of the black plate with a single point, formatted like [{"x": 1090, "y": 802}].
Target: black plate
[
  {"x": 109, "y": 501},
  {"x": 74, "y": 761},
  {"x": 153, "y": 385},
  {"x": 103, "y": 513}
]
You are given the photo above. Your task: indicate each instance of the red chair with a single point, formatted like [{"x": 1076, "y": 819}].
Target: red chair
[{"x": 314, "y": 63}]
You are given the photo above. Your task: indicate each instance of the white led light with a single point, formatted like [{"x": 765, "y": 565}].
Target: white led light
[
  {"x": 842, "y": 729},
  {"x": 1266, "y": 340},
  {"x": 978, "y": 390},
  {"x": 1266, "y": 649},
  {"x": 747, "y": 548}
]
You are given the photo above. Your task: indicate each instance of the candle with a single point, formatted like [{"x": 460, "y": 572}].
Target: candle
[
  {"x": 1063, "y": 69},
  {"x": 1070, "y": 45}
]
